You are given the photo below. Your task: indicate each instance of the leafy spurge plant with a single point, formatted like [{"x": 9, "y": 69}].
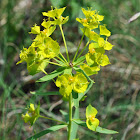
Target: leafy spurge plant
[{"x": 72, "y": 76}]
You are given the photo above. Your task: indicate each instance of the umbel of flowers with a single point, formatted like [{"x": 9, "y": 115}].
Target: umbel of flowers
[{"x": 72, "y": 76}]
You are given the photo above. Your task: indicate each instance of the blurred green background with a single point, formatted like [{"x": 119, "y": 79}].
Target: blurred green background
[{"x": 116, "y": 91}]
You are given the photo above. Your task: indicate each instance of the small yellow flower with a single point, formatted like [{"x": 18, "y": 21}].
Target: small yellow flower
[
  {"x": 92, "y": 50},
  {"x": 32, "y": 114},
  {"x": 35, "y": 29},
  {"x": 32, "y": 108},
  {"x": 92, "y": 19},
  {"x": 26, "y": 117},
  {"x": 71, "y": 79},
  {"x": 84, "y": 20}
]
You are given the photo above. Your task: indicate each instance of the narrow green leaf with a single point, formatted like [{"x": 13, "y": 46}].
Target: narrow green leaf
[
  {"x": 79, "y": 122},
  {"x": 52, "y": 75},
  {"x": 98, "y": 129},
  {"x": 45, "y": 93},
  {"x": 75, "y": 99},
  {"x": 65, "y": 114},
  {"x": 68, "y": 70},
  {"x": 60, "y": 62},
  {"x": 105, "y": 131},
  {"x": 83, "y": 98},
  {"x": 44, "y": 132},
  {"x": 79, "y": 60},
  {"x": 76, "y": 116}
]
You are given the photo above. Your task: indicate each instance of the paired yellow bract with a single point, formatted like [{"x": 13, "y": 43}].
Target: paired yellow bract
[
  {"x": 67, "y": 83},
  {"x": 91, "y": 121}
]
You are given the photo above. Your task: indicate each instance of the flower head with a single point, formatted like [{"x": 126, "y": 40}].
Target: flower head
[
  {"x": 56, "y": 14},
  {"x": 31, "y": 115},
  {"x": 67, "y": 83},
  {"x": 92, "y": 19}
]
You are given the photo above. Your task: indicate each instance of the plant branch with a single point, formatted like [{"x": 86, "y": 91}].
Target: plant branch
[
  {"x": 83, "y": 49},
  {"x": 63, "y": 57},
  {"x": 79, "y": 46},
  {"x": 64, "y": 42},
  {"x": 55, "y": 63},
  {"x": 52, "y": 119}
]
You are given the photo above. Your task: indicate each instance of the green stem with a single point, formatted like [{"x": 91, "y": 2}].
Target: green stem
[
  {"x": 44, "y": 71},
  {"x": 63, "y": 57},
  {"x": 79, "y": 46},
  {"x": 70, "y": 117},
  {"x": 55, "y": 63},
  {"x": 83, "y": 49},
  {"x": 59, "y": 59},
  {"x": 64, "y": 42},
  {"x": 52, "y": 119}
]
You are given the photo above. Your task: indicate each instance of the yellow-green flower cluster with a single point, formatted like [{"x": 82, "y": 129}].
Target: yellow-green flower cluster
[
  {"x": 43, "y": 48},
  {"x": 92, "y": 19},
  {"x": 67, "y": 83},
  {"x": 96, "y": 55},
  {"x": 32, "y": 114}
]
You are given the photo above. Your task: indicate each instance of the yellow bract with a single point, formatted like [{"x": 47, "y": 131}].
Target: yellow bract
[
  {"x": 35, "y": 29},
  {"x": 80, "y": 84},
  {"x": 104, "y": 31},
  {"x": 88, "y": 13},
  {"x": 90, "y": 70},
  {"x": 54, "y": 13},
  {"x": 64, "y": 84},
  {"x": 92, "y": 19},
  {"x": 105, "y": 44},
  {"x": 101, "y": 42},
  {"x": 91, "y": 121},
  {"x": 35, "y": 61},
  {"x": 49, "y": 48}
]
